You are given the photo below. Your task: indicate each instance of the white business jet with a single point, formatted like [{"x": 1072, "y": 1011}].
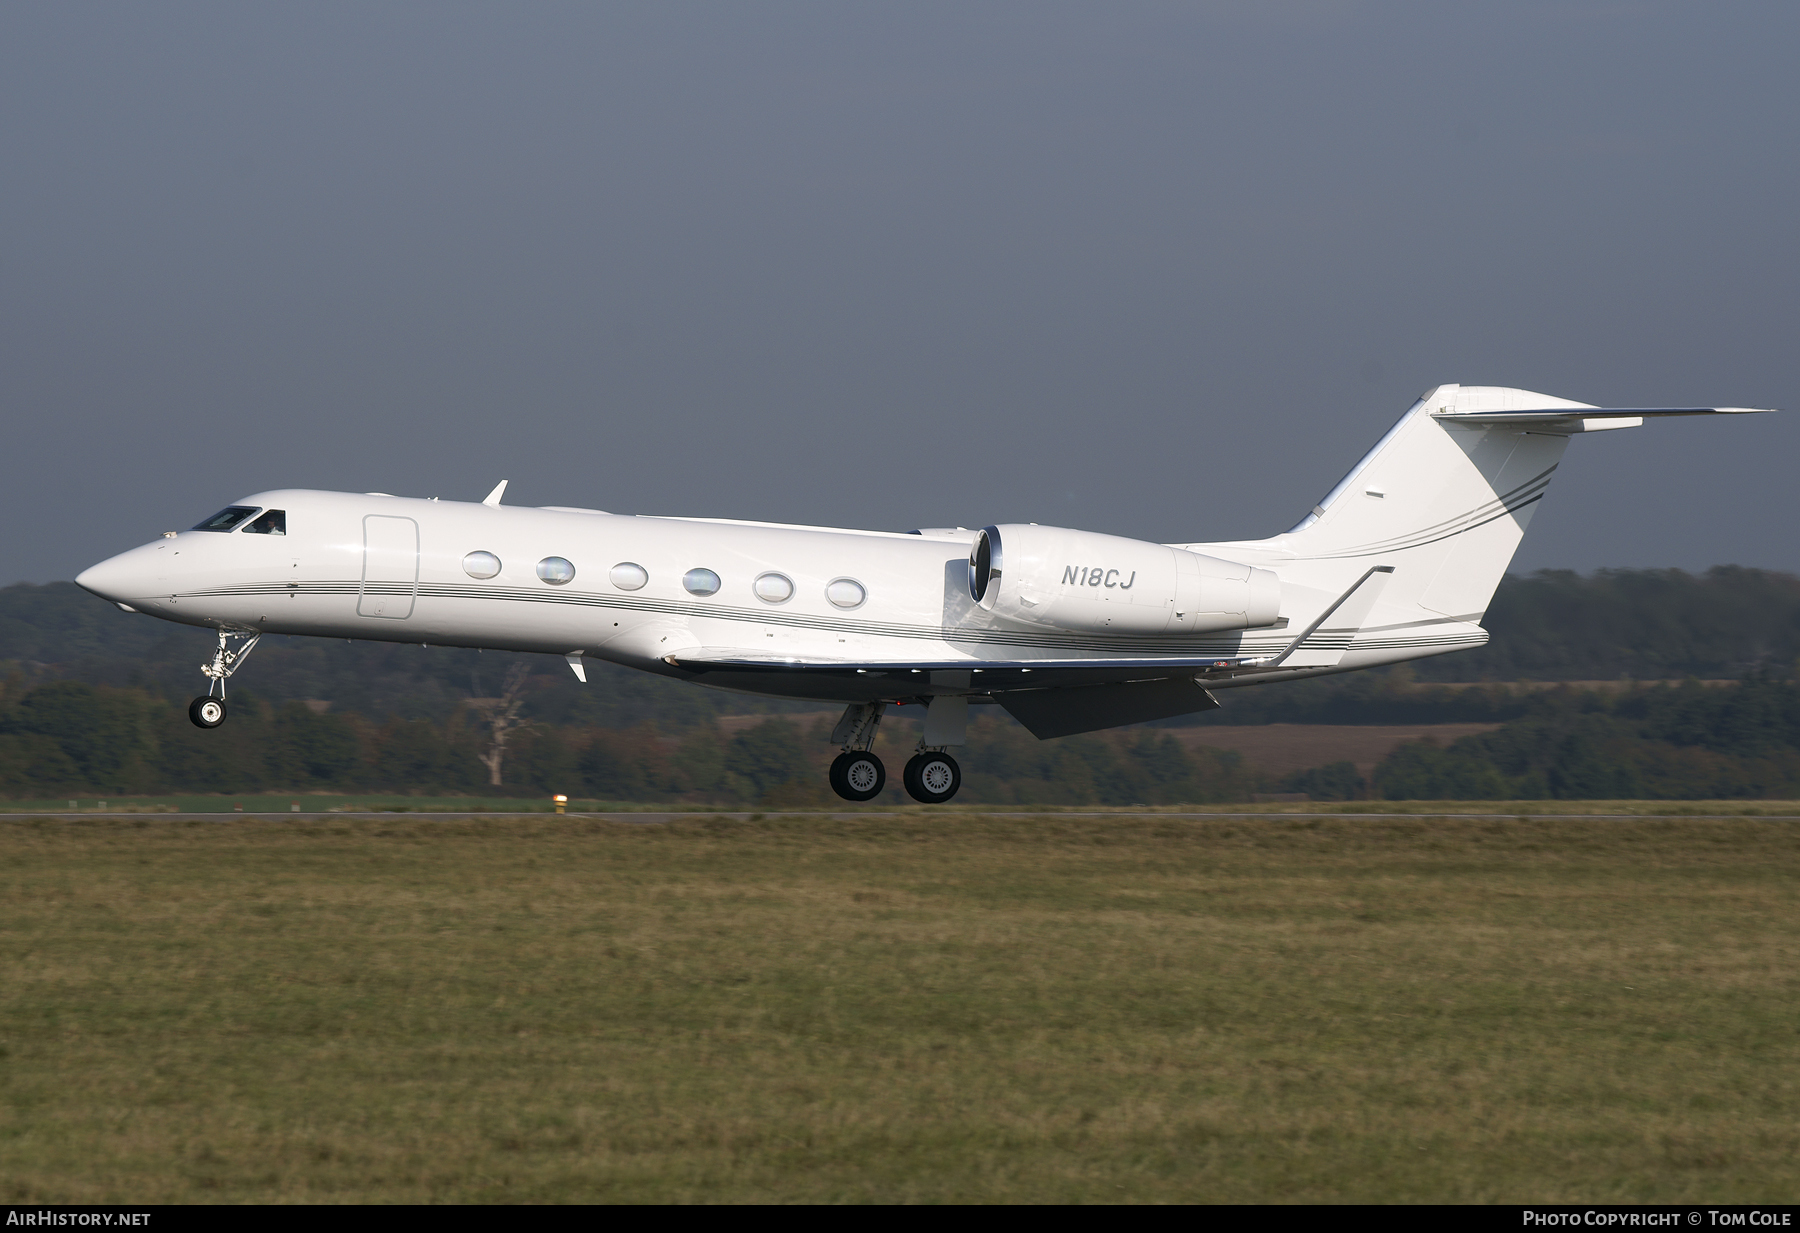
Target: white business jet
[{"x": 1068, "y": 631}]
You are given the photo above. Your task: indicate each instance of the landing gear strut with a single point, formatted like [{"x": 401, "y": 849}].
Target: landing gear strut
[
  {"x": 234, "y": 647},
  {"x": 932, "y": 776}
]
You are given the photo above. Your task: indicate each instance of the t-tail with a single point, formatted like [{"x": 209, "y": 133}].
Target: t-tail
[{"x": 1439, "y": 505}]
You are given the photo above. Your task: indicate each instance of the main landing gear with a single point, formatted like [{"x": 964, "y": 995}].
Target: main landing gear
[
  {"x": 234, "y": 647},
  {"x": 857, "y": 775},
  {"x": 931, "y": 776}
]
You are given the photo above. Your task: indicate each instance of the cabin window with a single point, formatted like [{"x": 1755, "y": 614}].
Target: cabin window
[
  {"x": 773, "y": 588},
  {"x": 228, "y": 518},
  {"x": 272, "y": 523},
  {"x": 555, "y": 571},
  {"x": 481, "y": 565},
  {"x": 629, "y": 576},
  {"x": 845, "y": 593},
  {"x": 701, "y": 582}
]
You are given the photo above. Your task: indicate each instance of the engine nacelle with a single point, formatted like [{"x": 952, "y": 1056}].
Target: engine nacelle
[{"x": 1077, "y": 580}]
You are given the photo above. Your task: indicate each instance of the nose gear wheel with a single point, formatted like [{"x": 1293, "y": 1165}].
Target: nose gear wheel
[{"x": 207, "y": 712}]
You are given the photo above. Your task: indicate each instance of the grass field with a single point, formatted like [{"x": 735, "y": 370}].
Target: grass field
[
  {"x": 282, "y": 803},
  {"x": 902, "y": 1007},
  {"x": 285, "y": 802}
]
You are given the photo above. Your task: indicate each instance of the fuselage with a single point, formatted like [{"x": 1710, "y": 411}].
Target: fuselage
[{"x": 636, "y": 591}]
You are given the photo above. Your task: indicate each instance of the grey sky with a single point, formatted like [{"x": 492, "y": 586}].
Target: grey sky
[{"x": 1160, "y": 270}]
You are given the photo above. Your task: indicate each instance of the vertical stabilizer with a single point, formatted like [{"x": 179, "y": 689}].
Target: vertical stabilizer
[
  {"x": 1439, "y": 506},
  {"x": 1444, "y": 502}
]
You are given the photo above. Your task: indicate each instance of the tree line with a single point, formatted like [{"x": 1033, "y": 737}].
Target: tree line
[
  {"x": 1647, "y": 624},
  {"x": 92, "y": 703},
  {"x": 1678, "y": 742},
  {"x": 1668, "y": 742},
  {"x": 73, "y": 738}
]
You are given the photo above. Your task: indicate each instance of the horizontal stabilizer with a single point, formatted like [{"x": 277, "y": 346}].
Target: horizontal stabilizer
[{"x": 1575, "y": 414}]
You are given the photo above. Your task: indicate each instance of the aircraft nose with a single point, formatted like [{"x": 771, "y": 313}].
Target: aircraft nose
[{"x": 117, "y": 579}]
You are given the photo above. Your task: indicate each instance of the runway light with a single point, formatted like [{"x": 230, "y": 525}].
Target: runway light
[{"x": 561, "y": 802}]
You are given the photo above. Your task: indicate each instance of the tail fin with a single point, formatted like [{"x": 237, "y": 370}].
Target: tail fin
[
  {"x": 1444, "y": 498},
  {"x": 1445, "y": 503}
]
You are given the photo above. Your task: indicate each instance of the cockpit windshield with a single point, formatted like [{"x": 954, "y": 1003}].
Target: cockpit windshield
[
  {"x": 272, "y": 523},
  {"x": 227, "y": 518}
]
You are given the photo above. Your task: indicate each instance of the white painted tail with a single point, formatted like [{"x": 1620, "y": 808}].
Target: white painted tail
[{"x": 1443, "y": 500}]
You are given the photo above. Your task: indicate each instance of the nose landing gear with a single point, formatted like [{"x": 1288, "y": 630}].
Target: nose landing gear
[{"x": 234, "y": 647}]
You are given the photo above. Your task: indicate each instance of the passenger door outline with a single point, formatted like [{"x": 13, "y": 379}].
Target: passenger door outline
[{"x": 390, "y": 577}]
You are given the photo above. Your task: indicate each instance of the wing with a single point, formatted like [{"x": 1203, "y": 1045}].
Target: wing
[
  {"x": 1050, "y": 697},
  {"x": 987, "y": 675}
]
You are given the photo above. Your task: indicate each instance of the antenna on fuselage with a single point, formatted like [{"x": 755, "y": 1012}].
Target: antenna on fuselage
[{"x": 493, "y": 498}]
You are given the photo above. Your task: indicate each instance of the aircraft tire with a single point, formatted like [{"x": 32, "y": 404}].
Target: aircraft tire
[
  {"x": 858, "y": 776},
  {"x": 931, "y": 778},
  {"x": 207, "y": 712}
]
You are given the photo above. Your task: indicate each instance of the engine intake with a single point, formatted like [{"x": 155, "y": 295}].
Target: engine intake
[{"x": 1081, "y": 581}]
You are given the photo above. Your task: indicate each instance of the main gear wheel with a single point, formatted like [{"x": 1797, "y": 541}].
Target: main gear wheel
[
  {"x": 858, "y": 776},
  {"x": 932, "y": 778}
]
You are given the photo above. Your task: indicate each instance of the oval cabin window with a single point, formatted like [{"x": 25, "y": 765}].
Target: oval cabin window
[
  {"x": 773, "y": 588},
  {"x": 629, "y": 576},
  {"x": 701, "y": 582},
  {"x": 481, "y": 565},
  {"x": 555, "y": 571},
  {"x": 846, "y": 593}
]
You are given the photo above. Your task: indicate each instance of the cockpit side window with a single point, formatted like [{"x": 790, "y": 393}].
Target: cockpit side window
[
  {"x": 272, "y": 523},
  {"x": 227, "y": 518}
]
